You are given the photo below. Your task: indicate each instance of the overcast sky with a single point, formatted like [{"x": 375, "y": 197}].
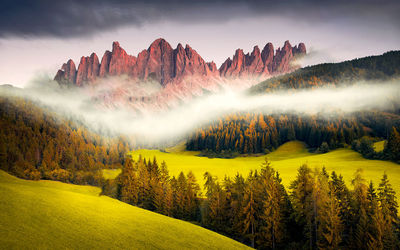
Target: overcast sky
[{"x": 36, "y": 37}]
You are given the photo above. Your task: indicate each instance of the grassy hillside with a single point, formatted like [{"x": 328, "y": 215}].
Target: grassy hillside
[
  {"x": 379, "y": 146},
  {"x": 111, "y": 173},
  {"x": 54, "y": 215},
  {"x": 286, "y": 159}
]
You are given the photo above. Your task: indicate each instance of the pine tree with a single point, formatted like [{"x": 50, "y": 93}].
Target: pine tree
[
  {"x": 180, "y": 196},
  {"x": 3, "y": 155},
  {"x": 272, "y": 230},
  {"x": 326, "y": 221},
  {"x": 302, "y": 200},
  {"x": 163, "y": 194},
  {"x": 216, "y": 212},
  {"x": 145, "y": 199},
  {"x": 375, "y": 226},
  {"x": 128, "y": 183},
  {"x": 341, "y": 194},
  {"x": 228, "y": 190},
  {"x": 387, "y": 198},
  {"x": 249, "y": 212},
  {"x": 360, "y": 235},
  {"x": 331, "y": 224},
  {"x": 388, "y": 206},
  {"x": 238, "y": 187},
  {"x": 392, "y": 147},
  {"x": 193, "y": 193}
]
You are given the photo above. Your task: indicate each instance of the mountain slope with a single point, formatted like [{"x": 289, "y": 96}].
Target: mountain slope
[
  {"x": 53, "y": 215},
  {"x": 380, "y": 68},
  {"x": 37, "y": 142}
]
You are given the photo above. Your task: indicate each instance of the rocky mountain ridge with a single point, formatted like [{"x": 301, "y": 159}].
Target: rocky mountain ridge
[{"x": 162, "y": 63}]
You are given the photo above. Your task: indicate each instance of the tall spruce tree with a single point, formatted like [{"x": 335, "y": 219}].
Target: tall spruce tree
[
  {"x": 326, "y": 221},
  {"x": 392, "y": 147},
  {"x": 128, "y": 183},
  {"x": 249, "y": 214},
  {"x": 192, "y": 194},
  {"x": 388, "y": 206},
  {"x": 359, "y": 231},
  {"x": 331, "y": 228},
  {"x": 272, "y": 229},
  {"x": 302, "y": 200}
]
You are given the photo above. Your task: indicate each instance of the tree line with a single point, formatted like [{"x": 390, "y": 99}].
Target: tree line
[
  {"x": 318, "y": 211},
  {"x": 147, "y": 184},
  {"x": 251, "y": 133},
  {"x": 36, "y": 143},
  {"x": 390, "y": 152}
]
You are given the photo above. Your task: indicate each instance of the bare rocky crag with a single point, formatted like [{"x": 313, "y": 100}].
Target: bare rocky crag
[
  {"x": 166, "y": 65},
  {"x": 180, "y": 71}
]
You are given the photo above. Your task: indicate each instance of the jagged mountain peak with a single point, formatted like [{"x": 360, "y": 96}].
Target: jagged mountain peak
[{"x": 168, "y": 65}]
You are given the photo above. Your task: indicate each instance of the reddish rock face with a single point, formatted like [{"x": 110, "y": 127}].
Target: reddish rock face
[
  {"x": 254, "y": 63},
  {"x": 301, "y": 49},
  {"x": 105, "y": 64},
  {"x": 267, "y": 56},
  {"x": 67, "y": 73},
  {"x": 181, "y": 61},
  {"x": 264, "y": 63},
  {"x": 212, "y": 69},
  {"x": 158, "y": 63},
  {"x": 282, "y": 58},
  {"x": 187, "y": 62},
  {"x": 120, "y": 62},
  {"x": 225, "y": 66},
  {"x": 194, "y": 63},
  {"x": 166, "y": 65},
  {"x": 81, "y": 75},
  {"x": 88, "y": 70}
]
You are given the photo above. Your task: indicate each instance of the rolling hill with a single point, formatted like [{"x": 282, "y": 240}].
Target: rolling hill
[
  {"x": 54, "y": 215},
  {"x": 286, "y": 160},
  {"x": 378, "y": 68}
]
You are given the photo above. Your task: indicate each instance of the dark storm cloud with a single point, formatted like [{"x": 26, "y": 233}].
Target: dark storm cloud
[{"x": 70, "y": 18}]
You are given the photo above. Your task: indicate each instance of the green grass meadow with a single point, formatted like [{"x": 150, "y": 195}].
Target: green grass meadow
[
  {"x": 286, "y": 159},
  {"x": 54, "y": 215}
]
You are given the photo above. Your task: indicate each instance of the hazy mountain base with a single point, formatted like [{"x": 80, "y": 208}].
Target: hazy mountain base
[{"x": 311, "y": 110}]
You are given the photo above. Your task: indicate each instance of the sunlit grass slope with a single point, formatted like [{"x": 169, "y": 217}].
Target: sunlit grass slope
[
  {"x": 379, "y": 146},
  {"x": 111, "y": 173},
  {"x": 54, "y": 215},
  {"x": 286, "y": 159}
]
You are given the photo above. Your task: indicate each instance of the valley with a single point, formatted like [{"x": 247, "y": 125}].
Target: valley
[
  {"x": 286, "y": 160},
  {"x": 272, "y": 155}
]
